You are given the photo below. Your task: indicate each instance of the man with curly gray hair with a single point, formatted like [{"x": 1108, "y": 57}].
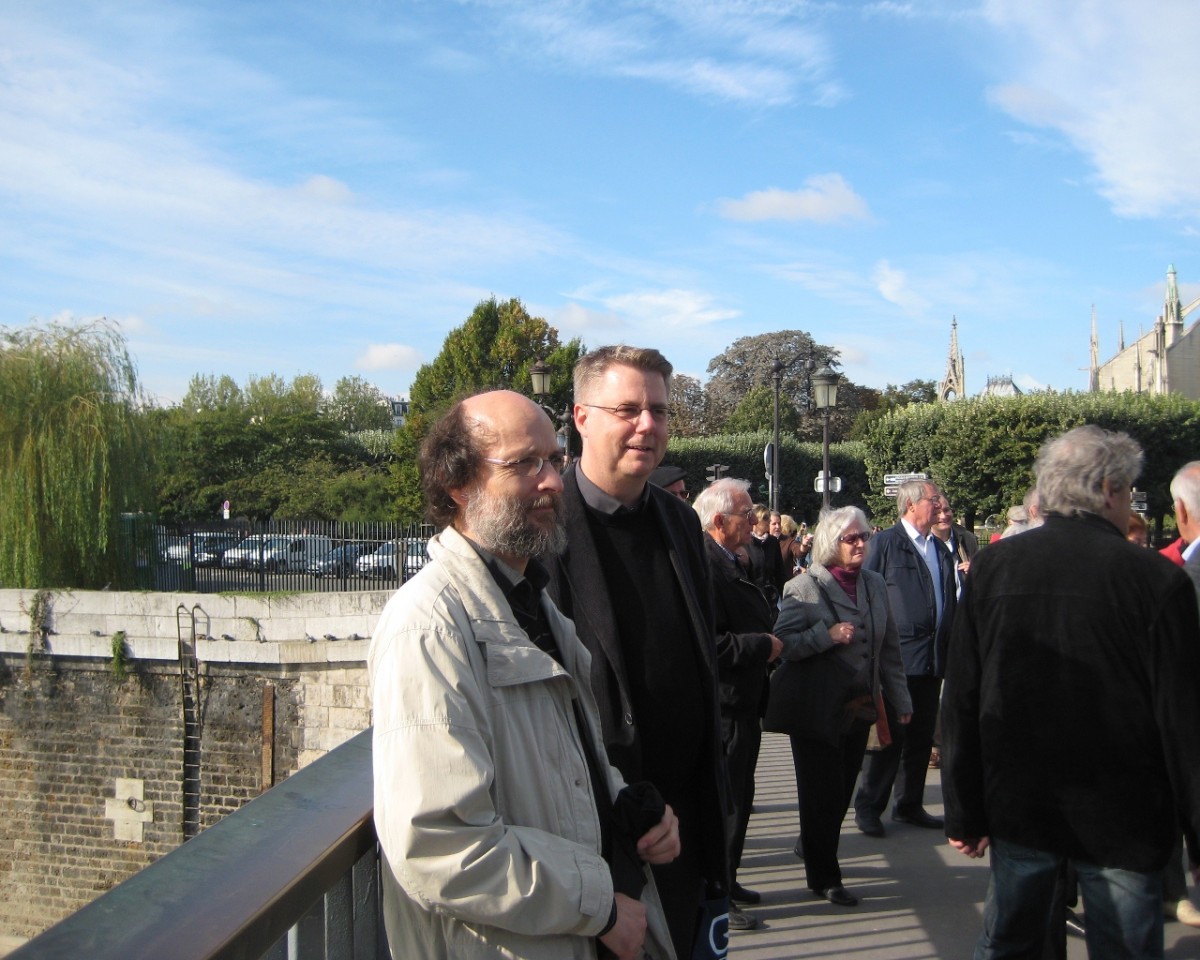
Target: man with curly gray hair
[{"x": 1071, "y": 725}]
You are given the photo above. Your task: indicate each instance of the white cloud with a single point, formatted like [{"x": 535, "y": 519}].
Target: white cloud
[
  {"x": 825, "y": 198},
  {"x": 755, "y": 51},
  {"x": 388, "y": 356},
  {"x": 1115, "y": 80},
  {"x": 894, "y": 286}
]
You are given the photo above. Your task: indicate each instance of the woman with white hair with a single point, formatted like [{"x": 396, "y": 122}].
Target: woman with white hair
[{"x": 838, "y": 612}]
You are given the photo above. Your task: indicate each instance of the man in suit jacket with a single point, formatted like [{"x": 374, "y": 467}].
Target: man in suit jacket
[
  {"x": 921, "y": 591},
  {"x": 634, "y": 578},
  {"x": 766, "y": 560},
  {"x": 744, "y": 622}
]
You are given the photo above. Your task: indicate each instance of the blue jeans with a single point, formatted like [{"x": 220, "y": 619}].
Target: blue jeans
[{"x": 1123, "y": 910}]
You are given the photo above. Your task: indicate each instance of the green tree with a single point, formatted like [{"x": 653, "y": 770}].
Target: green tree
[
  {"x": 689, "y": 407},
  {"x": 358, "y": 405},
  {"x": 493, "y": 349},
  {"x": 748, "y": 363},
  {"x": 756, "y": 411},
  {"x": 74, "y": 454}
]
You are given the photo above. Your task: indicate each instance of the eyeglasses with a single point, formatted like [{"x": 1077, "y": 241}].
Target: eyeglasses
[
  {"x": 631, "y": 412},
  {"x": 531, "y": 466},
  {"x": 850, "y": 539}
]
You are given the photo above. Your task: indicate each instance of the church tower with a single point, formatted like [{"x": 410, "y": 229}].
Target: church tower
[
  {"x": 1094, "y": 367},
  {"x": 953, "y": 385}
]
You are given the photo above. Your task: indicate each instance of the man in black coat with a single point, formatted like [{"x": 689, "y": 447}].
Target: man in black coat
[
  {"x": 744, "y": 622},
  {"x": 634, "y": 578},
  {"x": 920, "y": 579},
  {"x": 1071, "y": 725}
]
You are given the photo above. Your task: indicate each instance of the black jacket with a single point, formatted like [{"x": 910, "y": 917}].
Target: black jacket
[
  {"x": 579, "y": 588},
  {"x": 910, "y": 592},
  {"x": 1071, "y": 712},
  {"x": 767, "y": 568},
  {"x": 743, "y": 620}
]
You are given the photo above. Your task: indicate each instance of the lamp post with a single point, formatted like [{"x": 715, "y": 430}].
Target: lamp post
[
  {"x": 540, "y": 374},
  {"x": 776, "y": 375},
  {"x": 825, "y": 384}
]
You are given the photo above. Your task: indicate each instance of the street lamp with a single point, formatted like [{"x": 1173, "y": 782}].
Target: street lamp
[
  {"x": 540, "y": 374},
  {"x": 824, "y": 386},
  {"x": 777, "y": 368}
]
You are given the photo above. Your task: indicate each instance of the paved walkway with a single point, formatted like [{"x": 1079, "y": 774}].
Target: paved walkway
[{"x": 920, "y": 900}]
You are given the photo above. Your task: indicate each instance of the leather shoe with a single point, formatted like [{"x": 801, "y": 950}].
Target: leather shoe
[
  {"x": 739, "y": 894},
  {"x": 869, "y": 824},
  {"x": 839, "y": 896},
  {"x": 919, "y": 818},
  {"x": 740, "y": 920}
]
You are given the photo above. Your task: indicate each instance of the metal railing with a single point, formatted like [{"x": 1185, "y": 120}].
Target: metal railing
[{"x": 292, "y": 874}]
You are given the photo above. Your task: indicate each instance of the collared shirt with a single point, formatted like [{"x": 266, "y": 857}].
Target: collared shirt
[
  {"x": 1190, "y": 550},
  {"x": 928, "y": 547},
  {"x": 604, "y": 503},
  {"x": 524, "y": 594}
]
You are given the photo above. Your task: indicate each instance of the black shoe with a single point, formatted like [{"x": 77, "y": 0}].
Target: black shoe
[
  {"x": 1075, "y": 925},
  {"x": 839, "y": 896},
  {"x": 739, "y": 894},
  {"x": 869, "y": 824},
  {"x": 740, "y": 920},
  {"x": 798, "y": 849},
  {"x": 919, "y": 818}
]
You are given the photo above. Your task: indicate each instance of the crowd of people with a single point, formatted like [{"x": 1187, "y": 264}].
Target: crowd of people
[{"x": 569, "y": 699}]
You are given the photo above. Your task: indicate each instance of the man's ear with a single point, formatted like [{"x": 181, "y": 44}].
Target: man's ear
[
  {"x": 460, "y": 495},
  {"x": 579, "y": 413}
]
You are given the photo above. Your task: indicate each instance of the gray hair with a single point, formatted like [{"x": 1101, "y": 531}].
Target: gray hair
[
  {"x": 1072, "y": 469},
  {"x": 831, "y": 524},
  {"x": 717, "y": 498},
  {"x": 1185, "y": 486},
  {"x": 910, "y": 492}
]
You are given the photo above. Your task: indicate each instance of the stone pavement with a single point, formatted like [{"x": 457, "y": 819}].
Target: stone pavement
[{"x": 920, "y": 899}]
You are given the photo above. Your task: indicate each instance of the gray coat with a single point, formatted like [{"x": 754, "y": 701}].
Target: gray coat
[{"x": 813, "y": 602}]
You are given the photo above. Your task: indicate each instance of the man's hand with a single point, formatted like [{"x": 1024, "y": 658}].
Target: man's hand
[
  {"x": 660, "y": 844},
  {"x": 905, "y": 718},
  {"x": 776, "y": 648},
  {"x": 628, "y": 934},
  {"x": 971, "y": 848}
]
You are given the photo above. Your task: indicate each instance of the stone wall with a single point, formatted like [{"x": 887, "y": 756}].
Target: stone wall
[{"x": 91, "y": 766}]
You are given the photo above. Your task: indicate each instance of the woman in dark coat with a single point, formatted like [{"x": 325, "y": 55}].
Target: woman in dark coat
[{"x": 838, "y": 609}]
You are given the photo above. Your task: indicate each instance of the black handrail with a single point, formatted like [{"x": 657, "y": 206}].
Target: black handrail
[{"x": 233, "y": 891}]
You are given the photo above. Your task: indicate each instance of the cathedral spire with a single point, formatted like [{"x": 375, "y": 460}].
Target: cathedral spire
[
  {"x": 953, "y": 385},
  {"x": 1094, "y": 368}
]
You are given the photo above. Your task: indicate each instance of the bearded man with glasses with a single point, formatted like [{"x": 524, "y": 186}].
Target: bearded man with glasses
[
  {"x": 920, "y": 581},
  {"x": 496, "y": 807},
  {"x": 634, "y": 578}
]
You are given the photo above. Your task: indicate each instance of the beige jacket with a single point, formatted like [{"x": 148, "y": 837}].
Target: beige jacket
[{"x": 483, "y": 802}]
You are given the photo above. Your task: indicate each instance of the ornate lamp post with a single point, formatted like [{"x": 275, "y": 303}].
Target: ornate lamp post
[
  {"x": 824, "y": 385},
  {"x": 540, "y": 374}
]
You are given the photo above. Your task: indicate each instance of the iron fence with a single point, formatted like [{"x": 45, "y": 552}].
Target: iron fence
[{"x": 280, "y": 555}]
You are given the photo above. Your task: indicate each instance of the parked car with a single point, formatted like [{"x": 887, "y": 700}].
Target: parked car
[
  {"x": 339, "y": 562},
  {"x": 210, "y": 548},
  {"x": 240, "y": 555},
  {"x": 415, "y": 557},
  {"x": 282, "y": 553},
  {"x": 384, "y": 562},
  {"x": 168, "y": 547}
]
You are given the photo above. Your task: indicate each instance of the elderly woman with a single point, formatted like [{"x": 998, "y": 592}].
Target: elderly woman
[{"x": 839, "y": 610}]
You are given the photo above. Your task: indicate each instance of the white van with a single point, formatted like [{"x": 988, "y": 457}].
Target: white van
[{"x": 291, "y": 552}]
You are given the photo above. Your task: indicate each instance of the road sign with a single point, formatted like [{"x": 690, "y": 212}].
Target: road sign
[
  {"x": 891, "y": 491},
  {"x": 895, "y": 479},
  {"x": 835, "y": 484}
]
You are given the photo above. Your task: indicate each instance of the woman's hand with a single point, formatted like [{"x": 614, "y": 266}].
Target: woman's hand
[{"x": 841, "y": 632}]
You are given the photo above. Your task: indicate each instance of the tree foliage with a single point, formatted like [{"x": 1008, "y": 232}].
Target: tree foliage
[
  {"x": 358, "y": 405},
  {"x": 982, "y": 449},
  {"x": 748, "y": 363},
  {"x": 73, "y": 453},
  {"x": 494, "y": 349},
  {"x": 689, "y": 407}
]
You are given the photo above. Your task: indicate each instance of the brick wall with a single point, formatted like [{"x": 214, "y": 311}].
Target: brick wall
[{"x": 91, "y": 766}]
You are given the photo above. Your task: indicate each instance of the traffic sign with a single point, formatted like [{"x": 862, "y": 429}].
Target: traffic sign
[
  {"x": 895, "y": 479},
  {"x": 891, "y": 491},
  {"x": 835, "y": 484}
]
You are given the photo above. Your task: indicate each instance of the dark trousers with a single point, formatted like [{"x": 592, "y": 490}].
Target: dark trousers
[
  {"x": 906, "y": 761},
  {"x": 742, "y": 739},
  {"x": 825, "y": 776}
]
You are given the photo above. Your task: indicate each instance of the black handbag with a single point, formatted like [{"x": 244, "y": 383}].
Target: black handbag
[{"x": 811, "y": 698}]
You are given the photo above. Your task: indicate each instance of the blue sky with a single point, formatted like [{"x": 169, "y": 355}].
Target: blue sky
[{"x": 268, "y": 187}]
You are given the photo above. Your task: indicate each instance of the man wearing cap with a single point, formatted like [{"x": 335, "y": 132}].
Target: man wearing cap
[{"x": 672, "y": 479}]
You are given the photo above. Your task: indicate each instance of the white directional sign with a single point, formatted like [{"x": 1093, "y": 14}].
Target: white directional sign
[{"x": 895, "y": 479}]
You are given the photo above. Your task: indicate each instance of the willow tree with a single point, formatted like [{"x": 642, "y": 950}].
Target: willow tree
[{"x": 73, "y": 453}]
